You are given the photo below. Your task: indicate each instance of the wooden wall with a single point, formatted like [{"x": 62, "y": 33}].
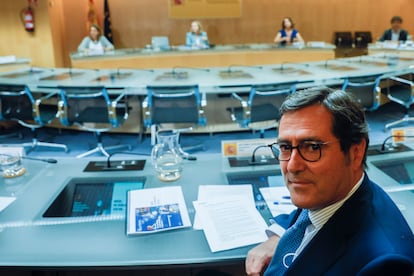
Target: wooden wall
[
  {"x": 135, "y": 21},
  {"x": 37, "y": 46}
]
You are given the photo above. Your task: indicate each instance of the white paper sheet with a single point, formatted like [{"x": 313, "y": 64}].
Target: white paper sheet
[
  {"x": 277, "y": 200},
  {"x": 230, "y": 222},
  {"x": 5, "y": 201},
  {"x": 215, "y": 192}
]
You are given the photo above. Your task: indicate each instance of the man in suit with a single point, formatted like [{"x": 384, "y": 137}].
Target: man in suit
[
  {"x": 355, "y": 229},
  {"x": 395, "y": 33}
]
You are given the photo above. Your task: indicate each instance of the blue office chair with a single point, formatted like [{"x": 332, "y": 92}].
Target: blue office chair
[
  {"x": 19, "y": 104},
  {"x": 92, "y": 109},
  {"x": 400, "y": 89},
  {"x": 260, "y": 111},
  {"x": 181, "y": 106},
  {"x": 365, "y": 89}
]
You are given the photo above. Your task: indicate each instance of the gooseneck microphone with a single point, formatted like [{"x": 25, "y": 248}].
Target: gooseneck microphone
[
  {"x": 383, "y": 146},
  {"x": 282, "y": 65},
  {"x": 253, "y": 158},
  {"x": 175, "y": 68},
  {"x": 230, "y": 67},
  {"x": 118, "y": 70},
  {"x": 47, "y": 160}
]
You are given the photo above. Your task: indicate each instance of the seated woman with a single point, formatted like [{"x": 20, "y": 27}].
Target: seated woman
[
  {"x": 196, "y": 37},
  {"x": 288, "y": 34},
  {"x": 95, "y": 43}
]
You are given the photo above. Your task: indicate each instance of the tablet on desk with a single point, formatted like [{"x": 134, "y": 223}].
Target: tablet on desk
[{"x": 94, "y": 197}]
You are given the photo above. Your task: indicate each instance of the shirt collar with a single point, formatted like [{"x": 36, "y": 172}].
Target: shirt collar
[{"x": 321, "y": 216}]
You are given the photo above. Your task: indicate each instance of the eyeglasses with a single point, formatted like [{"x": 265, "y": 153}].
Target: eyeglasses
[{"x": 310, "y": 151}]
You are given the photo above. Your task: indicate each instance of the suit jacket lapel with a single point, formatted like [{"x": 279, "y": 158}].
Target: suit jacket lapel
[{"x": 331, "y": 241}]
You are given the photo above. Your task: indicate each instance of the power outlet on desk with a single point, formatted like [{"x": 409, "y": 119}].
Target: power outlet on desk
[{"x": 121, "y": 165}]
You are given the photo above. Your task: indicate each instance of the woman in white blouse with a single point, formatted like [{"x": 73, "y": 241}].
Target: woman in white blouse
[{"x": 95, "y": 43}]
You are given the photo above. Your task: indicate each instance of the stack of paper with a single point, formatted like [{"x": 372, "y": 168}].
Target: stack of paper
[
  {"x": 277, "y": 200},
  {"x": 228, "y": 216}
]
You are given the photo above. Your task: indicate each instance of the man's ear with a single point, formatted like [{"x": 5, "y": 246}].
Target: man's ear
[{"x": 357, "y": 153}]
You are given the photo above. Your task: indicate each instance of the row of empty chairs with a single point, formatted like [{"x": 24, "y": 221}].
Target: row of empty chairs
[
  {"x": 90, "y": 108},
  {"x": 94, "y": 109}
]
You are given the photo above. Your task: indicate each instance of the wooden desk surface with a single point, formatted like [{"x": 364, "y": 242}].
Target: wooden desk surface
[{"x": 216, "y": 57}]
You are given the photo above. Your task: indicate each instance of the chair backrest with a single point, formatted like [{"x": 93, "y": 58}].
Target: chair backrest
[
  {"x": 89, "y": 104},
  {"x": 400, "y": 89},
  {"x": 265, "y": 101},
  {"x": 173, "y": 104},
  {"x": 343, "y": 39},
  {"x": 16, "y": 103},
  {"x": 366, "y": 90},
  {"x": 362, "y": 39}
]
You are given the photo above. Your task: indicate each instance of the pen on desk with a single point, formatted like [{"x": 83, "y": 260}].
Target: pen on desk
[
  {"x": 286, "y": 197},
  {"x": 282, "y": 203}
]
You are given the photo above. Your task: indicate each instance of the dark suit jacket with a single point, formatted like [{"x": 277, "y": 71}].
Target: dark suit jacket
[
  {"x": 388, "y": 33},
  {"x": 366, "y": 236}
]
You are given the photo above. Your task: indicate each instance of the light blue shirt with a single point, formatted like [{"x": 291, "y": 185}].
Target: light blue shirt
[{"x": 197, "y": 40}]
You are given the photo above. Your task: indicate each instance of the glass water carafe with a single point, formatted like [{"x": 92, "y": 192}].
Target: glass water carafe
[{"x": 166, "y": 156}]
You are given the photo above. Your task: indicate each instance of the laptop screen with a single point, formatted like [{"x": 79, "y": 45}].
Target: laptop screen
[{"x": 160, "y": 42}]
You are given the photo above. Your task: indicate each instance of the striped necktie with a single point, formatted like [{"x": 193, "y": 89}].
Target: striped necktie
[{"x": 288, "y": 244}]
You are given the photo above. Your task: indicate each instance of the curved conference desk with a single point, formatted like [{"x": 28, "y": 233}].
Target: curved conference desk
[
  {"x": 220, "y": 55},
  {"x": 31, "y": 241},
  {"x": 215, "y": 83}
]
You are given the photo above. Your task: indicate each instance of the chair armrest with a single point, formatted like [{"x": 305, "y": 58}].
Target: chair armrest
[
  {"x": 62, "y": 113},
  {"x": 48, "y": 96},
  {"x": 401, "y": 80},
  {"x": 146, "y": 112},
  {"x": 246, "y": 108},
  {"x": 201, "y": 113},
  {"x": 112, "y": 109},
  {"x": 242, "y": 101},
  {"x": 36, "y": 106}
]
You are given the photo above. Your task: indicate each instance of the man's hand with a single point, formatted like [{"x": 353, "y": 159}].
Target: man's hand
[{"x": 260, "y": 256}]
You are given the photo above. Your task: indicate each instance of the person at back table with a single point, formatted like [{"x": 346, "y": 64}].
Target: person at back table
[
  {"x": 355, "y": 228},
  {"x": 95, "y": 43},
  {"x": 396, "y": 33},
  {"x": 196, "y": 37},
  {"x": 288, "y": 34}
]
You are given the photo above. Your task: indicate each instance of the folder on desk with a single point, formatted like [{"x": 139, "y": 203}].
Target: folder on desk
[{"x": 156, "y": 209}]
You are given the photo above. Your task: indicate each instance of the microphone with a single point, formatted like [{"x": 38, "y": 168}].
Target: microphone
[
  {"x": 190, "y": 68},
  {"x": 262, "y": 160},
  {"x": 383, "y": 146},
  {"x": 230, "y": 67},
  {"x": 47, "y": 160},
  {"x": 282, "y": 66},
  {"x": 135, "y": 69}
]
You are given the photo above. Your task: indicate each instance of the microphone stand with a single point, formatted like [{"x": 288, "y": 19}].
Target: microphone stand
[
  {"x": 383, "y": 149},
  {"x": 262, "y": 161}
]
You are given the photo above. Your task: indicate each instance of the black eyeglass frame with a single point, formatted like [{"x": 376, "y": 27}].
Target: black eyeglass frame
[{"x": 275, "y": 148}]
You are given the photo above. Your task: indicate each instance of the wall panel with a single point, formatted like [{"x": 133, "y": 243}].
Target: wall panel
[{"x": 135, "y": 21}]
